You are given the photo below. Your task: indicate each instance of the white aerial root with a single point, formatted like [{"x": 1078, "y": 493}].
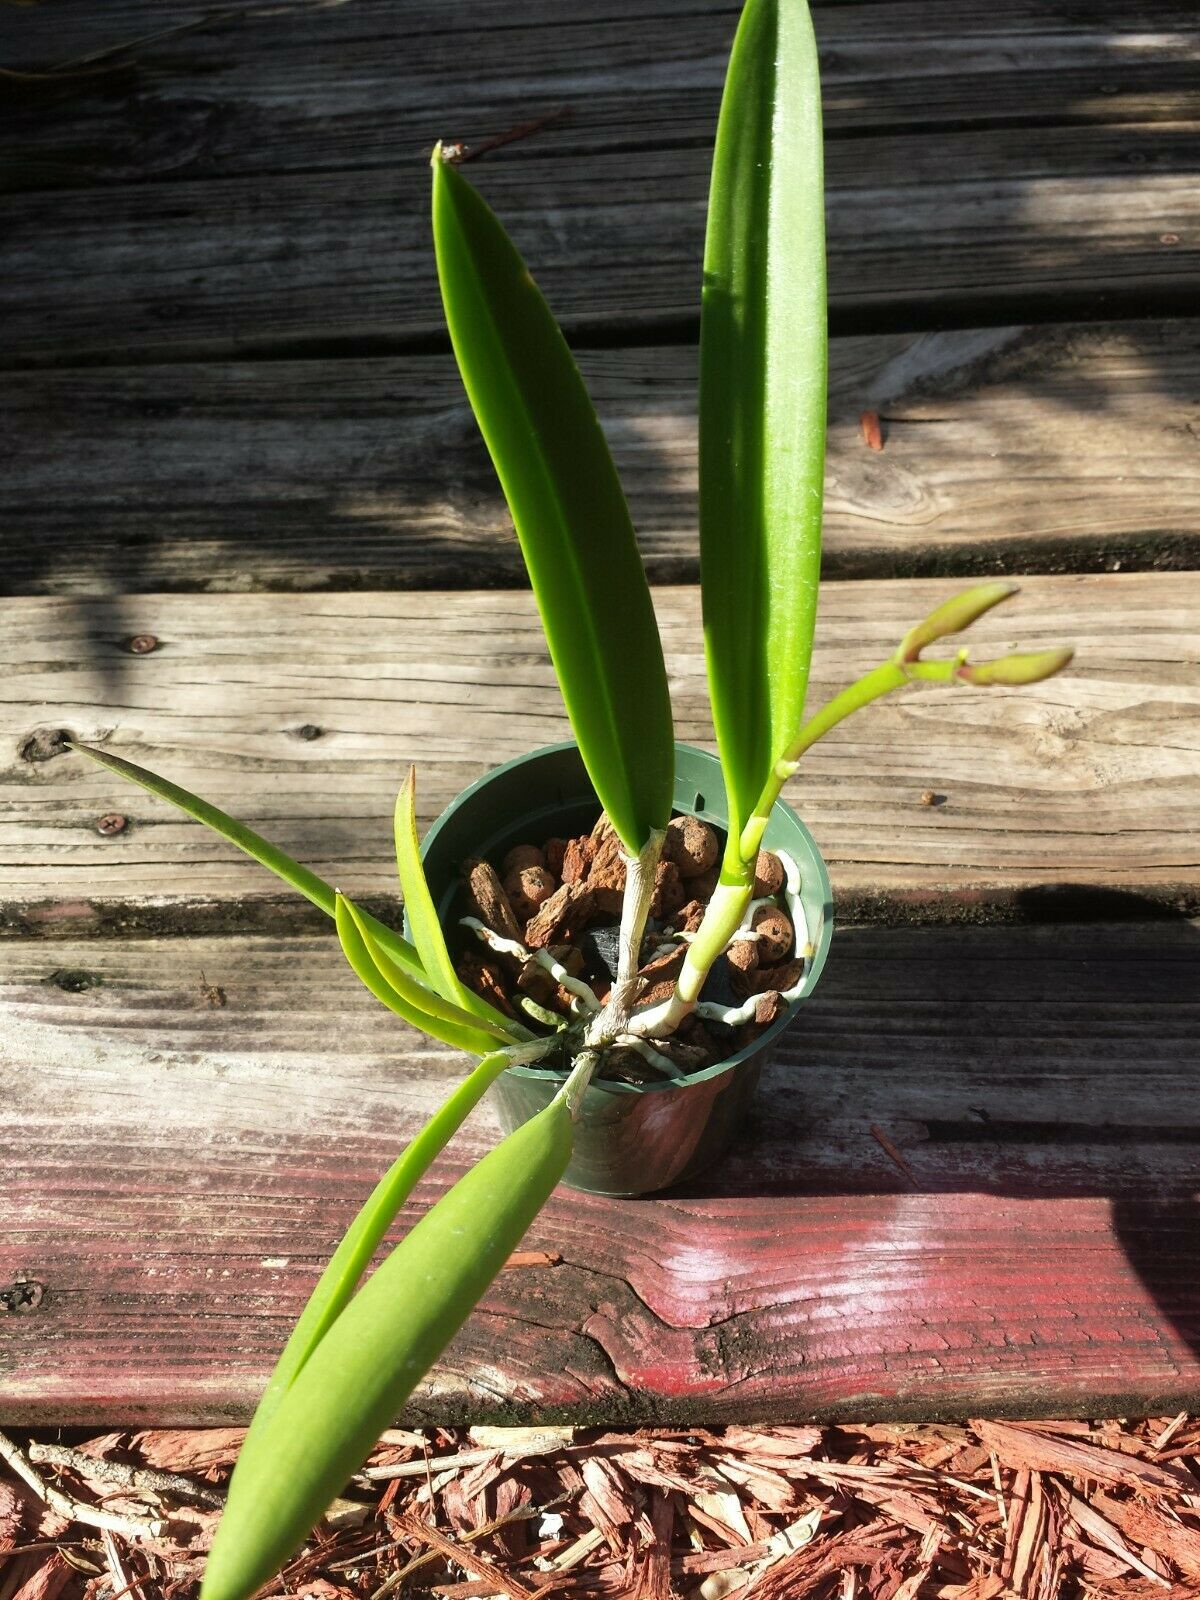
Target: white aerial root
[
  {"x": 495, "y": 941},
  {"x": 791, "y": 890},
  {"x": 734, "y": 1016},
  {"x": 743, "y": 929},
  {"x": 731, "y": 1016},
  {"x": 657, "y": 1060},
  {"x": 668, "y": 948},
  {"x": 582, "y": 991},
  {"x": 742, "y": 934}
]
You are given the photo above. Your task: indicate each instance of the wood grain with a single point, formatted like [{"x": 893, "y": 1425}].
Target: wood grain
[
  {"x": 300, "y": 712},
  {"x": 249, "y": 91},
  {"x": 1036, "y": 449},
  {"x": 178, "y": 1166},
  {"x": 962, "y": 228},
  {"x": 190, "y": 1121}
]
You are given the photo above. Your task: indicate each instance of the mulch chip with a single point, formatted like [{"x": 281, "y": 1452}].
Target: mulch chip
[{"x": 1037, "y": 1511}]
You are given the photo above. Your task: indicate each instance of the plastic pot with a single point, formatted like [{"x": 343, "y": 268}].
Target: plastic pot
[{"x": 631, "y": 1139}]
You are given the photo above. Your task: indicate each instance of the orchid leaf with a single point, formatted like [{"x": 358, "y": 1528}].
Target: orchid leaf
[
  {"x": 567, "y": 506},
  {"x": 763, "y": 395},
  {"x": 416, "y": 1003},
  {"x": 322, "y": 894},
  {"x": 366, "y": 1233},
  {"x": 357, "y": 1378},
  {"x": 499, "y": 1027},
  {"x": 423, "y": 918}
]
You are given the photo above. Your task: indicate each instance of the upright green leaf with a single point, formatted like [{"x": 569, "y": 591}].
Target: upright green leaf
[
  {"x": 355, "y": 1381},
  {"x": 322, "y": 894},
  {"x": 762, "y": 394},
  {"x": 423, "y": 918},
  {"x": 415, "y": 1002},
  {"x": 418, "y": 902},
  {"x": 567, "y": 506}
]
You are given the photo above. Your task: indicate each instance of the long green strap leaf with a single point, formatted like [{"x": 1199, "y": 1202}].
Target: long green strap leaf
[
  {"x": 322, "y": 894},
  {"x": 355, "y": 1382},
  {"x": 763, "y": 395},
  {"x": 366, "y": 1233},
  {"x": 423, "y": 918},
  {"x": 417, "y": 1004},
  {"x": 567, "y": 506}
]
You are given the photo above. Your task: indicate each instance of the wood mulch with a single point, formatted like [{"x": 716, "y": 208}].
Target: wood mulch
[{"x": 1108, "y": 1509}]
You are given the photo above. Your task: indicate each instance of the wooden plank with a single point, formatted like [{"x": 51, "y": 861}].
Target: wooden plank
[
  {"x": 299, "y": 713},
  {"x": 176, "y": 1171},
  {"x": 960, "y": 228},
  {"x": 237, "y": 92},
  {"x": 1009, "y": 449}
]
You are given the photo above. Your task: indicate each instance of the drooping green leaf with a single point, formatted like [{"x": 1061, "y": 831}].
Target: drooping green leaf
[
  {"x": 366, "y": 1233},
  {"x": 423, "y": 918},
  {"x": 567, "y": 506},
  {"x": 355, "y": 1381},
  {"x": 322, "y": 894},
  {"x": 415, "y": 1002},
  {"x": 763, "y": 395},
  {"x": 500, "y": 1027}
]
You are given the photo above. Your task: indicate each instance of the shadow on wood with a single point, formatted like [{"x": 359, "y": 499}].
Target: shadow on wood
[{"x": 255, "y": 188}]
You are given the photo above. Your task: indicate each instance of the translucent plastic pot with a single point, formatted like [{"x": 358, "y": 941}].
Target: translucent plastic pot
[{"x": 631, "y": 1138}]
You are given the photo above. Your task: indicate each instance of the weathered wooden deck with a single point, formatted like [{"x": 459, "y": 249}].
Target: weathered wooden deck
[{"x": 231, "y": 429}]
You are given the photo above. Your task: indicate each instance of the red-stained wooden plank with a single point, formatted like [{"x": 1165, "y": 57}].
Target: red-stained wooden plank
[{"x": 177, "y": 1169}]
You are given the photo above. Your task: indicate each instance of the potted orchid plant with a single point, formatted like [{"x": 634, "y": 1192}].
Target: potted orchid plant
[{"x": 614, "y": 929}]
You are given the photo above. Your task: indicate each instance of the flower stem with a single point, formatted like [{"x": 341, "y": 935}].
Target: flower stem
[{"x": 872, "y": 686}]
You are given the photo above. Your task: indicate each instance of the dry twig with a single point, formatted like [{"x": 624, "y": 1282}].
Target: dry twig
[{"x": 77, "y": 1510}]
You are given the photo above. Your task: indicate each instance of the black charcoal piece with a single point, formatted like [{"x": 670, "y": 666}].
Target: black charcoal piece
[
  {"x": 717, "y": 986},
  {"x": 599, "y": 949}
]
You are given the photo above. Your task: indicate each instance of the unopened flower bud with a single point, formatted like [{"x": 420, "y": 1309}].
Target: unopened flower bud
[{"x": 952, "y": 617}]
